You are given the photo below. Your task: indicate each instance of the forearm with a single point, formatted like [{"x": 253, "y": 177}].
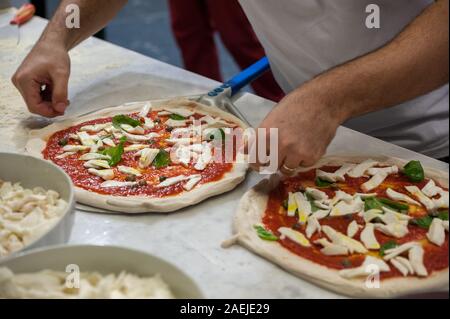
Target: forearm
[
  {"x": 94, "y": 15},
  {"x": 413, "y": 64}
]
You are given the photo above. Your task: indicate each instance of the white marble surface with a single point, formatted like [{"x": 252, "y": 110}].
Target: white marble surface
[{"x": 104, "y": 74}]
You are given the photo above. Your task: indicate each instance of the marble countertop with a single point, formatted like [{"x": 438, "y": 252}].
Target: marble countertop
[{"x": 103, "y": 75}]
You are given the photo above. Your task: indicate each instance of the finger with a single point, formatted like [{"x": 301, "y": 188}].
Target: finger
[
  {"x": 60, "y": 81},
  {"x": 31, "y": 93},
  {"x": 291, "y": 163}
]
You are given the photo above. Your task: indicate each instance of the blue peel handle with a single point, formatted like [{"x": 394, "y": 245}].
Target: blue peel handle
[{"x": 244, "y": 78}]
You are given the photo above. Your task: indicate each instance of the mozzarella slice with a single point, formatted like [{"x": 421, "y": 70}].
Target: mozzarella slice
[
  {"x": 374, "y": 182},
  {"x": 148, "y": 123},
  {"x": 323, "y": 204},
  {"x": 95, "y": 128},
  {"x": 445, "y": 224},
  {"x": 441, "y": 202},
  {"x": 343, "y": 208},
  {"x": 295, "y": 236},
  {"x": 138, "y": 130},
  {"x": 75, "y": 148},
  {"x": 139, "y": 138},
  {"x": 204, "y": 158},
  {"x": 106, "y": 174},
  {"x": 321, "y": 214},
  {"x": 352, "y": 229},
  {"x": 416, "y": 259},
  {"x": 337, "y": 176},
  {"x": 365, "y": 269},
  {"x": 436, "y": 233},
  {"x": 400, "y": 197},
  {"x": 145, "y": 110},
  {"x": 292, "y": 205},
  {"x": 173, "y": 180},
  {"x": 304, "y": 207},
  {"x": 94, "y": 156},
  {"x": 175, "y": 123},
  {"x": 371, "y": 214},
  {"x": 415, "y": 191},
  {"x": 405, "y": 263},
  {"x": 364, "y": 195},
  {"x": 128, "y": 170},
  {"x": 316, "y": 194},
  {"x": 86, "y": 139},
  {"x": 109, "y": 142},
  {"x": 397, "y": 230},
  {"x": 193, "y": 181},
  {"x": 368, "y": 237},
  {"x": 64, "y": 155},
  {"x": 331, "y": 249},
  {"x": 383, "y": 170},
  {"x": 340, "y": 195},
  {"x": 312, "y": 227},
  {"x": 135, "y": 147},
  {"x": 340, "y": 239},
  {"x": 110, "y": 184},
  {"x": 360, "y": 169},
  {"x": 397, "y": 251},
  {"x": 180, "y": 111},
  {"x": 148, "y": 155},
  {"x": 430, "y": 189},
  {"x": 96, "y": 164}
]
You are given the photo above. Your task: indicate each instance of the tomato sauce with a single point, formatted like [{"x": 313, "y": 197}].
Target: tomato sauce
[
  {"x": 81, "y": 177},
  {"x": 436, "y": 258}
]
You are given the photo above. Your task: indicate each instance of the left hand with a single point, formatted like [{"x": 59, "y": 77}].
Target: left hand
[{"x": 306, "y": 125}]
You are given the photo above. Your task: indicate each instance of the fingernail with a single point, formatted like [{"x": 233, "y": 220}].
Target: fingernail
[{"x": 60, "y": 107}]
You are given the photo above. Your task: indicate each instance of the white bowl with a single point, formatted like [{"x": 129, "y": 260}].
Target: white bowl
[
  {"x": 104, "y": 260},
  {"x": 32, "y": 172}
]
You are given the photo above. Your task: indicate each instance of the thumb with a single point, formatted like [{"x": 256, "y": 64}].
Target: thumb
[{"x": 60, "y": 84}]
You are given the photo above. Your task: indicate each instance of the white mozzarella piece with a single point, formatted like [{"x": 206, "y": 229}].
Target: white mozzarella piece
[
  {"x": 75, "y": 148},
  {"x": 164, "y": 113},
  {"x": 436, "y": 233},
  {"x": 329, "y": 177},
  {"x": 292, "y": 205},
  {"x": 95, "y": 128},
  {"x": 323, "y": 204},
  {"x": 371, "y": 214},
  {"x": 416, "y": 259},
  {"x": 119, "y": 135},
  {"x": 139, "y": 138},
  {"x": 173, "y": 180},
  {"x": 392, "y": 217},
  {"x": 337, "y": 176},
  {"x": 321, "y": 213},
  {"x": 138, "y": 130},
  {"x": 331, "y": 249},
  {"x": 295, "y": 236},
  {"x": 64, "y": 155},
  {"x": 400, "y": 267},
  {"x": 128, "y": 170},
  {"x": 352, "y": 229},
  {"x": 400, "y": 197},
  {"x": 441, "y": 202},
  {"x": 445, "y": 224},
  {"x": 303, "y": 207},
  {"x": 145, "y": 110},
  {"x": 316, "y": 194},
  {"x": 343, "y": 208},
  {"x": 108, "y": 141},
  {"x": 405, "y": 262},
  {"x": 180, "y": 111},
  {"x": 148, "y": 123},
  {"x": 341, "y": 196},
  {"x": 343, "y": 240},
  {"x": 148, "y": 155},
  {"x": 365, "y": 269},
  {"x": 86, "y": 139},
  {"x": 106, "y": 174},
  {"x": 175, "y": 123},
  {"x": 135, "y": 147},
  {"x": 111, "y": 184},
  {"x": 96, "y": 164},
  {"x": 373, "y": 182},
  {"x": 192, "y": 182},
  {"x": 312, "y": 227},
  {"x": 397, "y": 251},
  {"x": 382, "y": 170},
  {"x": 368, "y": 237},
  {"x": 397, "y": 230},
  {"x": 94, "y": 156},
  {"x": 204, "y": 158},
  {"x": 364, "y": 195},
  {"x": 343, "y": 170},
  {"x": 416, "y": 192},
  {"x": 360, "y": 169},
  {"x": 430, "y": 189}
]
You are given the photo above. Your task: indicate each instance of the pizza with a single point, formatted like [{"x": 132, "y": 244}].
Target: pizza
[
  {"x": 364, "y": 227},
  {"x": 145, "y": 157}
]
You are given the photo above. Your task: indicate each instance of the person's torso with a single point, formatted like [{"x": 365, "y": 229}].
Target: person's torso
[{"x": 304, "y": 38}]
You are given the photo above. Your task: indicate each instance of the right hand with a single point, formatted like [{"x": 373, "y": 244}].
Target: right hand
[{"x": 47, "y": 65}]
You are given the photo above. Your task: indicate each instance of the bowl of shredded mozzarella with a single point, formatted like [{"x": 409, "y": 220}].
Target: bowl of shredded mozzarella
[
  {"x": 36, "y": 204},
  {"x": 93, "y": 272}
]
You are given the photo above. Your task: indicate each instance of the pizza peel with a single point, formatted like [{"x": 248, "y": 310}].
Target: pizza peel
[{"x": 220, "y": 97}]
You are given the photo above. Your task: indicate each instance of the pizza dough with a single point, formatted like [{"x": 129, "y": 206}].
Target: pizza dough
[
  {"x": 252, "y": 208},
  {"x": 140, "y": 204}
]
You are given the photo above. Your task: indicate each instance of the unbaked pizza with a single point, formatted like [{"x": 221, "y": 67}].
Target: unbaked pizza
[
  {"x": 359, "y": 226},
  {"x": 145, "y": 157}
]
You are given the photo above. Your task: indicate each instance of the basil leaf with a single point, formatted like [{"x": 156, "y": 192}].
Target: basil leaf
[
  {"x": 265, "y": 234},
  {"x": 63, "y": 142},
  {"x": 118, "y": 120},
  {"x": 323, "y": 184},
  {"x": 177, "y": 117},
  {"x": 394, "y": 205},
  {"x": 310, "y": 199},
  {"x": 414, "y": 171},
  {"x": 372, "y": 203},
  {"x": 218, "y": 134},
  {"x": 115, "y": 152},
  {"x": 162, "y": 159},
  {"x": 443, "y": 215},
  {"x": 285, "y": 204},
  {"x": 423, "y": 222},
  {"x": 386, "y": 246}
]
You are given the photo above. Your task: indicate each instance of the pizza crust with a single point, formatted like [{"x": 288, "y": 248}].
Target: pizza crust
[
  {"x": 142, "y": 204},
  {"x": 251, "y": 210}
]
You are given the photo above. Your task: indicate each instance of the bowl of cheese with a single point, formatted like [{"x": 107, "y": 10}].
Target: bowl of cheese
[
  {"x": 36, "y": 204},
  {"x": 93, "y": 272}
]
